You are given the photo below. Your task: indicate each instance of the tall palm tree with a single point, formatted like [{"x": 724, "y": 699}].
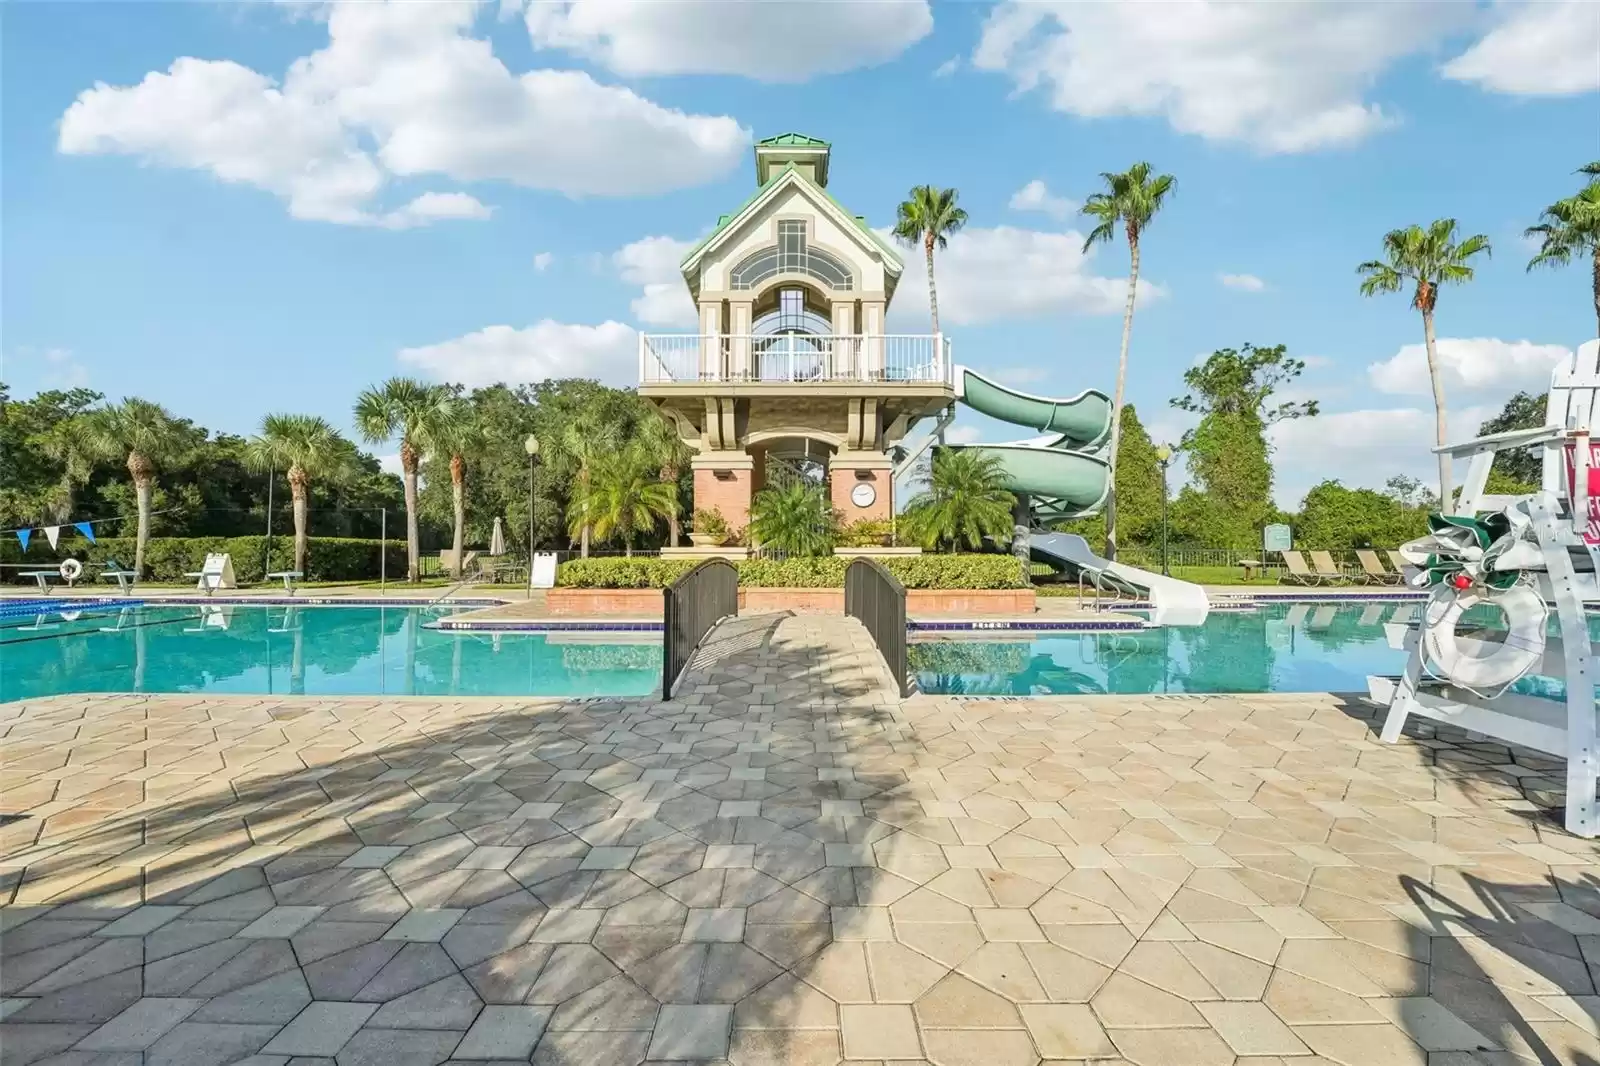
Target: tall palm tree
[
  {"x": 1427, "y": 259},
  {"x": 797, "y": 518},
  {"x": 144, "y": 435},
  {"x": 928, "y": 217},
  {"x": 65, "y": 444},
  {"x": 628, "y": 496},
  {"x": 310, "y": 449},
  {"x": 1572, "y": 226},
  {"x": 966, "y": 500},
  {"x": 462, "y": 436},
  {"x": 1132, "y": 199},
  {"x": 585, "y": 441},
  {"x": 660, "y": 438},
  {"x": 422, "y": 416}
]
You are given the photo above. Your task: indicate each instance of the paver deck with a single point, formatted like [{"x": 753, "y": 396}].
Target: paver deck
[{"x": 786, "y": 865}]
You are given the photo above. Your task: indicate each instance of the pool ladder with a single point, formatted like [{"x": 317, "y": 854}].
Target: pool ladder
[{"x": 1115, "y": 594}]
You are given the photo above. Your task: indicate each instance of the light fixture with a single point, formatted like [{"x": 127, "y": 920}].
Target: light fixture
[{"x": 531, "y": 445}]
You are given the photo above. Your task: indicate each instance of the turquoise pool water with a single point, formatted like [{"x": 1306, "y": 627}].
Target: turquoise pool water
[
  {"x": 1278, "y": 647},
  {"x": 308, "y": 650}
]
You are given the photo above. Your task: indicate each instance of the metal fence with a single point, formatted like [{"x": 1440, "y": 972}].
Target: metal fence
[
  {"x": 878, "y": 600},
  {"x": 692, "y": 605}
]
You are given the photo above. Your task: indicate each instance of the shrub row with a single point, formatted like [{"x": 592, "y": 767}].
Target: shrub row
[
  {"x": 170, "y": 558},
  {"x": 825, "y": 571}
]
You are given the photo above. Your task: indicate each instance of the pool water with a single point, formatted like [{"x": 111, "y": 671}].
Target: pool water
[
  {"x": 1279, "y": 647},
  {"x": 311, "y": 650}
]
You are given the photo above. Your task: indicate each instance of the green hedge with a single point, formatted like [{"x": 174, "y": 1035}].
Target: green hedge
[
  {"x": 826, "y": 571},
  {"x": 170, "y": 558}
]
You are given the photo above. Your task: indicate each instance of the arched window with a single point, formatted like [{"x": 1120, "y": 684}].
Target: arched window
[{"x": 791, "y": 255}]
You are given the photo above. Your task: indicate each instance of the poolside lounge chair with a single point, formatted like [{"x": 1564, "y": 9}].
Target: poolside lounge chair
[
  {"x": 1299, "y": 572},
  {"x": 1403, "y": 568},
  {"x": 111, "y": 570},
  {"x": 1327, "y": 568},
  {"x": 1372, "y": 567}
]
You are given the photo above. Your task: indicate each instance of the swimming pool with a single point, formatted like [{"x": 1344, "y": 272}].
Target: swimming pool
[
  {"x": 310, "y": 650},
  {"x": 1275, "y": 647}
]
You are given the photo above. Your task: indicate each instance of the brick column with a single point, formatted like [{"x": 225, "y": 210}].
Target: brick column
[
  {"x": 722, "y": 483},
  {"x": 848, "y": 469}
]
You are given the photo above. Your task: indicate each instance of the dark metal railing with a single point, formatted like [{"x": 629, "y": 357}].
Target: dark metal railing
[
  {"x": 878, "y": 600},
  {"x": 692, "y": 605}
]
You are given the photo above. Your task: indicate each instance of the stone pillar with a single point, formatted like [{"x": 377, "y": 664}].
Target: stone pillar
[
  {"x": 711, "y": 366},
  {"x": 848, "y": 469},
  {"x": 845, "y": 349},
  {"x": 722, "y": 483},
  {"x": 739, "y": 324},
  {"x": 872, "y": 327}
]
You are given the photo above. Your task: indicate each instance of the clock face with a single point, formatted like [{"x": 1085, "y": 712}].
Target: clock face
[{"x": 863, "y": 495}]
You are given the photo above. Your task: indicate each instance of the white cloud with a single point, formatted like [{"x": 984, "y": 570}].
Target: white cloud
[
  {"x": 607, "y": 352},
  {"x": 1242, "y": 282},
  {"x": 948, "y": 67},
  {"x": 400, "y": 90},
  {"x": 962, "y": 435},
  {"x": 652, "y": 264},
  {"x": 769, "y": 42},
  {"x": 62, "y": 371},
  {"x": 1005, "y": 272},
  {"x": 1362, "y": 449},
  {"x": 542, "y": 261},
  {"x": 1282, "y": 77},
  {"x": 1034, "y": 196},
  {"x": 1470, "y": 364},
  {"x": 390, "y": 464},
  {"x": 1545, "y": 48}
]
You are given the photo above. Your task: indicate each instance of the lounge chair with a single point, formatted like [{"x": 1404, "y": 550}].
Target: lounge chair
[
  {"x": 1299, "y": 572},
  {"x": 1372, "y": 567},
  {"x": 111, "y": 570},
  {"x": 1327, "y": 568},
  {"x": 1401, "y": 567}
]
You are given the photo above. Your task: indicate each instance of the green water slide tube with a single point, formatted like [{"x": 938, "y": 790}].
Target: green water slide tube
[{"x": 1061, "y": 470}]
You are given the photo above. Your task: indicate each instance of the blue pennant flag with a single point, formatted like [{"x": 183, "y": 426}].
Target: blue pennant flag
[
  {"x": 22, "y": 537},
  {"x": 86, "y": 529}
]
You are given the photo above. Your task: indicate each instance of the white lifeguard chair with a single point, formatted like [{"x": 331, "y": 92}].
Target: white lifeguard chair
[
  {"x": 1564, "y": 519},
  {"x": 217, "y": 573}
]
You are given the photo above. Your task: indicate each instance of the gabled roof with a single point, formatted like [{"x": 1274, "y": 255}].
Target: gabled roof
[
  {"x": 789, "y": 175},
  {"x": 797, "y": 140}
]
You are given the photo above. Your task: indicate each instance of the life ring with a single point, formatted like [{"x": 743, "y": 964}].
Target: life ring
[
  {"x": 71, "y": 570},
  {"x": 1484, "y": 664}
]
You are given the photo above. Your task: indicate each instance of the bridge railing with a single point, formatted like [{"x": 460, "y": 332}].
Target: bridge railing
[
  {"x": 691, "y": 606},
  {"x": 877, "y": 599}
]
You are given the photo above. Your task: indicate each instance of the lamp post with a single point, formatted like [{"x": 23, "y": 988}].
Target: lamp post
[
  {"x": 1164, "y": 456},
  {"x": 531, "y": 446}
]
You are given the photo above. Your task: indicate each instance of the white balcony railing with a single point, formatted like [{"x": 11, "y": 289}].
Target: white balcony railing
[{"x": 686, "y": 358}]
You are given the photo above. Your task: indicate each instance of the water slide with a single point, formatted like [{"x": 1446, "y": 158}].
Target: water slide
[{"x": 1064, "y": 474}]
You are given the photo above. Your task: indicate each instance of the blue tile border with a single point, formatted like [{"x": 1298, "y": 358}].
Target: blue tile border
[
  {"x": 1023, "y": 625},
  {"x": 490, "y": 625}
]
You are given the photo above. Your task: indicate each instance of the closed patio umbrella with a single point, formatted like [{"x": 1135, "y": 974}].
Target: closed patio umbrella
[{"x": 497, "y": 541}]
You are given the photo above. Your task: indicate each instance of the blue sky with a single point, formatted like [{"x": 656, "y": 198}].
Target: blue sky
[{"x": 197, "y": 213}]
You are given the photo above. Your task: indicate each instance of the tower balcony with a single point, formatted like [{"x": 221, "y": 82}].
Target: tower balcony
[{"x": 879, "y": 363}]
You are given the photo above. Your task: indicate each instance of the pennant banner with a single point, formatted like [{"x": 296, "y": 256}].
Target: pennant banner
[
  {"x": 23, "y": 536},
  {"x": 53, "y": 535},
  {"x": 86, "y": 529}
]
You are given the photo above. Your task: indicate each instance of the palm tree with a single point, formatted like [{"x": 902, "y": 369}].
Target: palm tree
[
  {"x": 145, "y": 436},
  {"x": 797, "y": 519},
  {"x": 463, "y": 436},
  {"x": 660, "y": 437},
  {"x": 1427, "y": 258},
  {"x": 422, "y": 416},
  {"x": 585, "y": 441},
  {"x": 966, "y": 500},
  {"x": 66, "y": 445},
  {"x": 628, "y": 495},
  {"x": 928, "y": 218},
  {"x": 1132, "y": 199},
  {"x": 310, "y": 449},
  {"x": 1572, "y": 226}
]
